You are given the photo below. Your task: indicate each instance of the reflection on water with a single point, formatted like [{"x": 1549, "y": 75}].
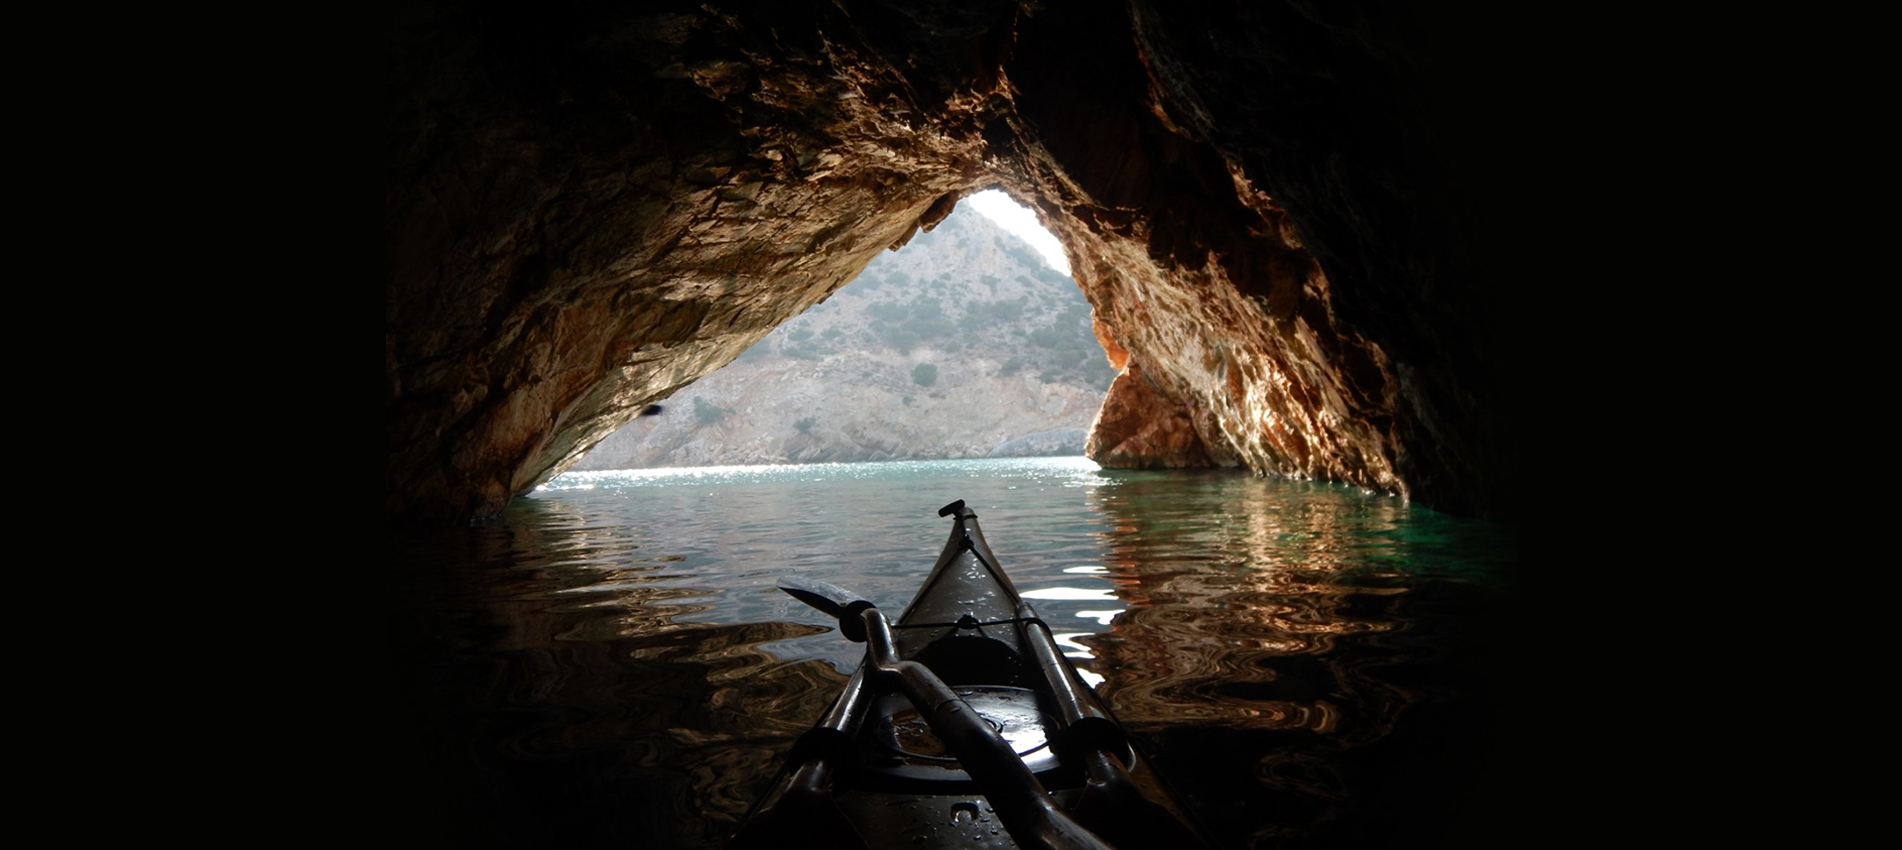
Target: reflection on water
[
  {"x": 1275, "y": 636},
  {"x": 608, "y": 664}
]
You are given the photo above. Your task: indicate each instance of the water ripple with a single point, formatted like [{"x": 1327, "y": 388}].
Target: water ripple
[{"x": 609, "y": 662}]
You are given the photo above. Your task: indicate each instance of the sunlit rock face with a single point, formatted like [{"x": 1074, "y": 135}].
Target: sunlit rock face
[
  {"x": 591, "y": 205},
  {"x": 1254, "y": 212},
  {"x": 1139, "y": 427}
]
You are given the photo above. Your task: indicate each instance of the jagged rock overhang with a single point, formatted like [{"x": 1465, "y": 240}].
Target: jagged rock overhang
[{"x": 591, "y": 206}]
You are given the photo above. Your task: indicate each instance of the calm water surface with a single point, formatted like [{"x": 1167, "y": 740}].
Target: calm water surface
[{"x": 608, "y": 664}]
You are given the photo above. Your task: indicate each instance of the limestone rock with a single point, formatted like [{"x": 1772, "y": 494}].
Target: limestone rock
[
  {"x": 1279, "y": 210},
  {"x": 1140, "y": 428},
  {"x": 1051, "y": 443}
]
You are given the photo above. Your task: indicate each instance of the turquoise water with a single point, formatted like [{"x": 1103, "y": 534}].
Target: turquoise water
[{"x": 609, "y": 664}]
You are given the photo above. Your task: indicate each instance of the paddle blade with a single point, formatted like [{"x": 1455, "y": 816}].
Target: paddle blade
[{"x": 834, "y": 600}]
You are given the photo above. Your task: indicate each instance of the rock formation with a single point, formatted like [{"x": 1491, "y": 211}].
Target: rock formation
[
  {"x": 1139, "y": 427},
  {"x": 1274, "y": 209}
]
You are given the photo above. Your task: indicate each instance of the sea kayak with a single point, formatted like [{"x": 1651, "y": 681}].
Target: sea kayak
[{"x": 963, "y": 727}]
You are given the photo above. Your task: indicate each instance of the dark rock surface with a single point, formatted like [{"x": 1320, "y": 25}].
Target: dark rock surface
[{"x": 1291, "y": 216}]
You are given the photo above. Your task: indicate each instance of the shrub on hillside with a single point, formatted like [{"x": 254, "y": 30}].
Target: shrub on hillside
[
  {"x": 931, "y": 328},
  {"x": 707, "y": 413},
  {"x": 889, "y": 312},
  {"x": 899, "y": 337}
]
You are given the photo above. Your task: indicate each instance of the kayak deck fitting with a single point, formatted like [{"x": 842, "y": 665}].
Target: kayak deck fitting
[{"x": 963, "y": 727}]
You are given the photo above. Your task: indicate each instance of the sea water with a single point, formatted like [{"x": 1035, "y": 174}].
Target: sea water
[{"x": 608, "y": 663}]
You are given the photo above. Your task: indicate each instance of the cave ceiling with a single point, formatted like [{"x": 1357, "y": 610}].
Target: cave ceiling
[{"x": 1280, "y": 213}]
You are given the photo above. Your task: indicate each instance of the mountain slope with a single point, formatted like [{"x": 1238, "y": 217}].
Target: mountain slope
[{"x": 961, "y": 345}]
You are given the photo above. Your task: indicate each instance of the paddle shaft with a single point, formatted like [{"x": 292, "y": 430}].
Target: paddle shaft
[{"x": 1011, "y": 788}]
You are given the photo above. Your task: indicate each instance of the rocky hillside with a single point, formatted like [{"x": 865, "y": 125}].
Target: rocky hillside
[{"x": 963, "y": 344}]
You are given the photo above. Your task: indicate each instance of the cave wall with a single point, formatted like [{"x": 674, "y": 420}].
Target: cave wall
[{"x": 592, "y": 204}]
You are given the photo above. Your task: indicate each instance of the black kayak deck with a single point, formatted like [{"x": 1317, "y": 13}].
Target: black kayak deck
[{"x": 873, "y": 773}]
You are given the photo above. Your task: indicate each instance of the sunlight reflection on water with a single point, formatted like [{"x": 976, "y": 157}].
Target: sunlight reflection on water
[{"x": 622, "y": 630}]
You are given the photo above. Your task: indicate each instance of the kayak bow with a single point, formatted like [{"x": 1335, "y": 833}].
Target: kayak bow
[{"x": 963, "y": 718}]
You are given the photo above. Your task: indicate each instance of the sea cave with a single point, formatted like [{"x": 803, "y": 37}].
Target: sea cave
[
  {"x": 1306, "y": 234},
  {"x": 1294, "y": 224}
]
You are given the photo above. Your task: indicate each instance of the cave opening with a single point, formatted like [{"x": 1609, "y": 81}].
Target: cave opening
[
  {"x": 970, "y": 340},
  {"x": 589, "y": 211}
]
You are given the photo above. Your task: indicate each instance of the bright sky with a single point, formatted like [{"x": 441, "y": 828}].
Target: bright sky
[{"x": 1019, "y": 220}]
